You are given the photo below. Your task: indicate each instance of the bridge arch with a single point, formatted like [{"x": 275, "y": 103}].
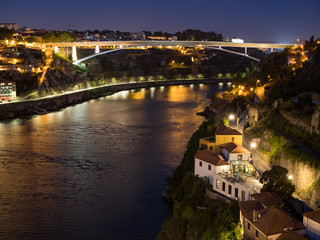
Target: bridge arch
[{"x": 77, "y": 62}]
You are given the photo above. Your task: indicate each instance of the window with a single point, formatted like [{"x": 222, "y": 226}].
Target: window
[
  {"x": 218, "y": 184},
  {"x": 236, "y": 192},
  {"x": 210, "y": 147},
  {"x": 229, "y": 189},
  {"x": 200, "y": 163},
  {"x": 257, "y": 233},
  {"x": 239, "y": 157},
  {"x": 248, "y": 226},
  {"x": 232, "y": 139},
  {"x": 243, "y": 195},
  {"x": 209, "y": 167},
  {"x": 223, "y": 186}
]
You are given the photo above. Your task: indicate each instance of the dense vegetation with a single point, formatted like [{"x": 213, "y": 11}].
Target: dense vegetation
[{"x": 194, "y": 215}]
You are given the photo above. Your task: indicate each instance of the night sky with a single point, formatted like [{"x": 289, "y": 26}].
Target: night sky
[{"x": 281, "y": 21}]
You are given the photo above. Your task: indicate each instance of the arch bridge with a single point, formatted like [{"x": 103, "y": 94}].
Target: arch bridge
[{"x": 119, "y": 45}]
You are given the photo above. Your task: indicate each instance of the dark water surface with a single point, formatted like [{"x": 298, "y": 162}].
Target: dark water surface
[{"x": 96, "y": 170}]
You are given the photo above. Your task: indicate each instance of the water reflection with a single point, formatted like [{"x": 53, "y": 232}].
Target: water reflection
[{"x": 96, "y": 170}]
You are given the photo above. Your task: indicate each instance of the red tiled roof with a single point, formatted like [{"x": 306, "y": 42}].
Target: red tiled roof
[
  {"x": 224, "y": 130},
  {"x": 210, "y": 157},
  {"x": 246, "y": 207},
  {"x": 273, "y": 220},
  {"x": 290, "y": 235},
  {"x": 268, "y": 198},
  {"x": 233, "y": 147},
  {"x": 314, "y": 215}
]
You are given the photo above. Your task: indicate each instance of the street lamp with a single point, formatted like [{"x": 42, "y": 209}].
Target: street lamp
[
  {"x": 253, "y": 145},
  {"x": 290, "y": 177},
  {"x": 231, "y": 117}
]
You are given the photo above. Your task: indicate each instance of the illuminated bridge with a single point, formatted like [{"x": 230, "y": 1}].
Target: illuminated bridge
[{"x": 120, "y": 45}]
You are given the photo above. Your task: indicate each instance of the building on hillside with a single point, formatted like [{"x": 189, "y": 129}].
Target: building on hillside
[
  {"x": 262, "y": 218},
  {"x": 232, "y": 185},
  {"x": 223, "y": 136},
  {"x": 239, "y": 158},
  {"x": 312, "y": 222},
  {"x": 207, "y": 164},
  {"x": 7, "y": 90}
]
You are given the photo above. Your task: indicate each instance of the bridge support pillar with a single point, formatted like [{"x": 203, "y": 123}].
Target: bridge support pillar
[
  {"x": 246, "y": 51},
  {"x": 56, "y": 49},
  {"x": 97, "y": 49},
  {"x": 271, "y": 49},
  {"x": 74, "y": 53}
]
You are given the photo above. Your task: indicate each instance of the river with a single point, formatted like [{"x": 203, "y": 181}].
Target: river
[{"x": 96, "y": 170}]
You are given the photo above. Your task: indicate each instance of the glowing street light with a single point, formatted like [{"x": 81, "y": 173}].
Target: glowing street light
[
  {"x": 253, "y": 145},
  {"x": 290, "y": 177},
  {"x": 231, "y": 117}
]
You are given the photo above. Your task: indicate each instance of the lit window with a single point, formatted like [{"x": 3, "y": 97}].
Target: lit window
[{"x": 218, "y": 184}]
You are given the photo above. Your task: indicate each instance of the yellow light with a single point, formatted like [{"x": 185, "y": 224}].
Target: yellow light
[
  {"x": 231, "y": 117},
  {"x": 233, "y": 86},
  {"x": 290, "y": 177},
  {"x": 251, "y": 89},
  {"x": 253, "y": 145},
  {"x": 258, "y": 81}
]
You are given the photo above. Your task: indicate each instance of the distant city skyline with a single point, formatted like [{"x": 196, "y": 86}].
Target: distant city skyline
[{"x": 269, "y": 21}]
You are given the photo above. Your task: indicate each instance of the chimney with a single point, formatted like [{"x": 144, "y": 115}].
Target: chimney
[{"x": 255, "y": 215}]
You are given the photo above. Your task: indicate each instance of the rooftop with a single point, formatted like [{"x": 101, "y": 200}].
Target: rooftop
[
  {"x": 273, "y": 220},
  {"x": 268, "y": 198},
  {"x": 290, "y": 235},
  {"x": 249, "y": 206},
  {"x": 314, "y": 215},
  {"x": 243, "y": 179},
  {"x": 210, "y": 157},
  {"x": 211, "y": 139},
  {"x": 233, "y": 147},
  {"x": 224, "y": 130}
]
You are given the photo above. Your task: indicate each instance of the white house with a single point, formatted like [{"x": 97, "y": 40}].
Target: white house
[
  {"x": 311, "y": 221},
  {"x": 206, "y": 164},
  {"x": 214, "y": 167},
  {"x": 233, "y": 152}
]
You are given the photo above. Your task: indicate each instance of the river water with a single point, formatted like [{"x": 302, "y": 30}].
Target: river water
[{"x": 96, "y": 170}]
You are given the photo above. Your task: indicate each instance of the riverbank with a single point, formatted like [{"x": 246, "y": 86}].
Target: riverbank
[
  {"x": 57, "y": 102},
  {"x": 195, "y": 215}
]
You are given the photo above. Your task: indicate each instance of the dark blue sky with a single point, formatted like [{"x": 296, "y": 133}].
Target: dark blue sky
[{"x": 252, "y": 20}]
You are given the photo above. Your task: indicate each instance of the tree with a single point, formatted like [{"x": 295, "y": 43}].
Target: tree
[
  {"x": 6, "y": 33},
  {"x": 276, "y": 180}
]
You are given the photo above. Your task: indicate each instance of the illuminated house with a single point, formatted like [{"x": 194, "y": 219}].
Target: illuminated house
[
  {"x": 239, "y": 158},
  {"x": 223, "y": 136},
  {"x": 233, "y": 185},
  {"x": 206, "y": 164},
  {"x": 7, "y": 90},
  {"x": 230, "y": 173}
]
